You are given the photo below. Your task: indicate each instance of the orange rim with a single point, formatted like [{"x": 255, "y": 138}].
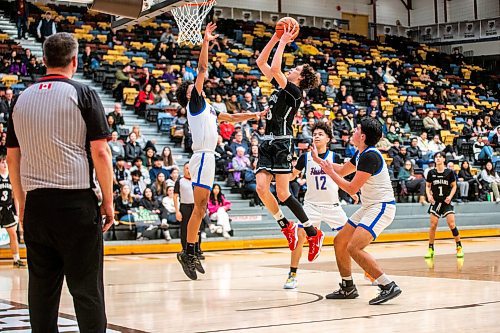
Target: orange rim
[{"x": 206, "y": 3}]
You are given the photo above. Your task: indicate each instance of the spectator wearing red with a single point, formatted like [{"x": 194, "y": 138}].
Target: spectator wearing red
[
  {"x": 145, "y": 97},
  {"x": 226, "y": 129}
]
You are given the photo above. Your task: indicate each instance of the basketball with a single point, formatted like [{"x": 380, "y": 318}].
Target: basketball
[{"x": 287, "y": 21}]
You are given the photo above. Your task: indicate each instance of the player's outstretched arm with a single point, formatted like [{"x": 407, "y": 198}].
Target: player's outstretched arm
[
  {"x": 239, "y": 117},
  {"x": 262, "y": 60},
  {"x": 341, "y": 169},
  {"x": 203, "y": 60},
  {"x": 278, "y": 75}
]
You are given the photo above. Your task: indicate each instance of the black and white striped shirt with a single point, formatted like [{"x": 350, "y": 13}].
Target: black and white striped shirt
[{"x": 52, "y": 123}]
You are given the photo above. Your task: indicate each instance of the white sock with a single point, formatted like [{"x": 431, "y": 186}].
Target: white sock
[
  {"x": 348, "y": 278},
  {"x": 279, "y": 215},
  {"x": 383, "y": 280},
  {"x": 16, "y": 257}
]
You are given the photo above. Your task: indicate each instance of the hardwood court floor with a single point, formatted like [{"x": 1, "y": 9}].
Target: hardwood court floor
[{"x": 242, "y": 292}]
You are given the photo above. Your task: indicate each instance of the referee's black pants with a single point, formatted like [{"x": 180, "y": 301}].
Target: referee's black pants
[
  {"x": 186, "y": 212},
  {"x": 63, "y": 236}
]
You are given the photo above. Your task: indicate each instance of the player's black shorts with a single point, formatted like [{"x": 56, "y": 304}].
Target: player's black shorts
[
  {"x": 275, "y": 156},
  {"x": 7, "y": 219},
  {"x": 441, "y": 209}
]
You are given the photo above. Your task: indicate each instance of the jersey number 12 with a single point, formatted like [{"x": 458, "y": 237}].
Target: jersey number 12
[{"x": 322, "y": 180}]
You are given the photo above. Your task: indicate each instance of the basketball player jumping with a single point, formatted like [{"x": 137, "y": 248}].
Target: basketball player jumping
[
  {"x": 321, "y": 202},
  {"x": 202, "y": 118},
  {"x": 378, "y": 208},
  {"x": 441, "y": 187},
  {"x": 275, "y": 152},
  {"x": 8, "y": 218}
]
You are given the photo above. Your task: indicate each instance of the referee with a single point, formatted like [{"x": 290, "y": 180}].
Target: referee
[{"x": 56, "y": 137}]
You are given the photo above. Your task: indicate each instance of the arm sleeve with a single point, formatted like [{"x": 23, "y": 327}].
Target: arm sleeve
[
  {"x": 11, "y": 133},
  {"x": 177, "y": 187},
  {"x": 94, "y": 115},
  {"x": 370, "y": 162},
  {"x": 196, "y": 102},
  {"x": 353, "y": 158},
  {"x": 301, "y": 162}
]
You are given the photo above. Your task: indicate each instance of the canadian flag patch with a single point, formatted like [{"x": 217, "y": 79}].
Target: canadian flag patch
[{"x": 45, "y": 86}]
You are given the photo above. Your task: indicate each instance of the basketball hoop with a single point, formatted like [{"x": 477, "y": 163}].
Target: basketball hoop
[{"x": 189, "y": 18}]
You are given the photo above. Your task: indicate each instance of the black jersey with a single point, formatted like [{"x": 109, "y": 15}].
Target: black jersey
[
  {"x": 5, "y": 191},
  {"x": 283, "y": 104},
  {"x": 440, "y": 183}
]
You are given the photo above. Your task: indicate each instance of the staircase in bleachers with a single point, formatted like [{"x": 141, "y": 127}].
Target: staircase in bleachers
[{"x": 10, "y": 29}]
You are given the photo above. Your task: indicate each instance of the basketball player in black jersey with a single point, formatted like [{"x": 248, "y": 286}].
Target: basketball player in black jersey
[
  {"x": 275, "y": 152},
  {"x": 8, "y": 219},
  {"x": 441, "y": 187}
]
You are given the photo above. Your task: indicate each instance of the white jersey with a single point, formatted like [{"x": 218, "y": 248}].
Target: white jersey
[
  {"x": 202, "y": 119},
  {"x": 378, "y": 188},
  {"x": 321, "y": 189}
]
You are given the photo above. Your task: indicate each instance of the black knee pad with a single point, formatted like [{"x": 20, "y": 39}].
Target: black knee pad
[{"x": 454, "y": 231}]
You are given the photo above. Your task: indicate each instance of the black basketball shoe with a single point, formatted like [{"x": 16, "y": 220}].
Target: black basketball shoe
[
  {"x": 344, "y": 293},
  {"x": 387, "y": 293},
  {"x": 188, "y": 263},
  {"x": 197, "y": 264}
]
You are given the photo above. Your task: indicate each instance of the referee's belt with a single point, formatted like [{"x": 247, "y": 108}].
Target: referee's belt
[{"x": 275, "y": 137}]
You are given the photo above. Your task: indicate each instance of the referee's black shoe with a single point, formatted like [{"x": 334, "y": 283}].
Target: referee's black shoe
[
  {"x": 188, "y": 263},
  {"x": 344, "y": 293},
  {"x": 387, "y": 293}
]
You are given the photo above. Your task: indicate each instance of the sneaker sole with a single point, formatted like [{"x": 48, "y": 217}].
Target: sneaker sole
[
  {"x": 396, "y": 294},
  {"x": 185, "y": 269},
  {"x": 290, "y": 287},
  {"x": 320, "y": 246},
  {"x": 352, "y": 296}
]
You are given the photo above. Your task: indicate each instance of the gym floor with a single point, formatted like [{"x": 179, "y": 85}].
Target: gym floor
[{"x": 242, "y": 292}]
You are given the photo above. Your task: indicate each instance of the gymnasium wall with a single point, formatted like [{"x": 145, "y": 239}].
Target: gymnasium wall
[
  {"x": 458, "y": 10},
  {"x": 387, "y": 10}
]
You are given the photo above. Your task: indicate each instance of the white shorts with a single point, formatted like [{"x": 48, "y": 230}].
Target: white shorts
[
  {"x": 374, "y": 218},
  {"x": 202, "y": 169},
  {"x": 333, "y": 215}
]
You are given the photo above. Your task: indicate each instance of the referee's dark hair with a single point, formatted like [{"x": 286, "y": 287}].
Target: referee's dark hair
[
  {"x": 323, "y": 126},
  {"x": 372, "y": 129},
  {"x": 59, "y": 50}
]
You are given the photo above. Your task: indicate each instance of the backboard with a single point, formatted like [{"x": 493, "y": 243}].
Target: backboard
[{"x": 151, "y": 9}]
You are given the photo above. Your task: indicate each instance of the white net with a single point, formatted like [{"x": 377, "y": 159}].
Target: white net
[{"x": 190, "y": 18}]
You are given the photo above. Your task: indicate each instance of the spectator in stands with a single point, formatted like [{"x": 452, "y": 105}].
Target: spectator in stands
[
  {"x": 116, "y": 146},
  {"x": 488, "y": 126},
  {"x": 463, "y": 186},
  {"x": 219, "y": 71},
  {"x": 495, "y": 140},
  {"x": 167, "y": 37},
  {"x": 373, "y": 107},
  {"x": 117, "y": 115},
  {"x": 411, "y": 183},
  {"x": 444, "y": 122},
  {"x": 389, "y": 78},
  {"x": 399, "y": 160},
  {"x": 87, "y": 58},
  {"x": 339, "y": 127},
  {"x": 443, "y": 97},
  {"x": 232, "y": 105},
  {"x": 492, "y": 180},
  {"x": 141, "y": 139},
  {"x": 351, "y": 122},
  {"x": 34, "y": 68},
  {"x": 223, "y": 154},
  {"x": 380, "y": 93},
  {"x": 453, "y": 97},
  {"x": 431, "y": 124},
  {"x": 457, "y": 57},
  {"x": 172, "y": 95},
  {"x": 465, "y": 175},
  {"x": 190, "y": 69},
  {"x": 219, "y": 105},
  {"x": 468, "y": 130},
  {"x": 218, "y": 206},
  {"x": 414, "y": 153},
  {"x": 306, "y": 134},
  {"x": 480, "y": 90},
  {"x": 434, "y": 75},
  {"x": 423, "y": 145},
  {"x": 7, "y": 105},
  {"x": 121, "y": 175},
  {"x": 178, "y": 126},
  {"x": 168, "y": 211},
  {"x": 111, "y": 123},
  {"x": 240, "y": 163},
  {"x": 46, "y": 27},
  {"x": 168, "y": 159},
  {"x": 124, "y": 203},
  {"x": 148, "y": 157},
  {"x": 169, "y": 75},
  {"x": 132, "y": 148},
  {"x": 479, "y": 129},
  {"x": 432, "y": 97},
  {"x": 395, "y": 148},
  {"x": 408, "y": 109},
  {"x": 392, "y": 135},
  {"x": 238, "y": 142},
  {"x": 341, "y": 95},
  {"x": 248, "y": 104},
  {"x": 174, "y": 175},
  {"x": 18, "y": 68},
  {"x": 482, "y": 149},
  {"x": 22, "y": 18},
  {"x": 145, "y": 97},
  {"x": 331, "y": 91},
  {"x": 436, "y": 145},
  {"x": 137, "y": 165},
  {"x": 122, "y": 80},
  {"x": 160, "y": 52},
  {"x": 383, "y": 144},
  {"x": 159, "y": 186},
  {"x": 378, "y": 75},
  {"x": 136, "y": 184},
  {"x": 349, "y": 107},
  {"x": 424, "y": 76},
  {"x": 158, "y": 168}
]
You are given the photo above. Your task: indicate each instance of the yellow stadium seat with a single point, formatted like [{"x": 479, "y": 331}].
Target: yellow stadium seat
[
  {"x": 139, "y": 61},
  {"x": 129, "y": 95},
  {"x": 9, "y": 80},
  {"x": 157, "y": 73}
]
